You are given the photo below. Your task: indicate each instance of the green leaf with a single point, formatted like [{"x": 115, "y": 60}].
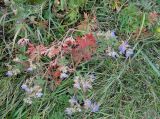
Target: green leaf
[
  {"x": 40, "y": 81},
  {"x": 22, "y": 57},
  {"x": 73, "y": 14}
]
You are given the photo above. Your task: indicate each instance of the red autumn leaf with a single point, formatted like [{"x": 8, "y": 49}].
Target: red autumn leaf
[
  {"x": 86, "y": 46},
  {"x": 86, "y": 41},
  {"x": 53, "y": 51},
  {"x": 56, "y": 74},
  {"x": 31, "y": 48},
  {"x": 35, "y": 52},
  {"x": 41, "y": 49},
  {"x": 32, "y": 52},
  {"x": 53, "y": 64},
  {"x": 65, "y": 48},
  {"x": 68, "y": 44},
  {"x": 87, "y": 55},
  {"x": 58, "y": 82},
  {"x": 77, "y": 55},
  {"x": 69, "y": 41},
  {"x": 81, "y": 54}
]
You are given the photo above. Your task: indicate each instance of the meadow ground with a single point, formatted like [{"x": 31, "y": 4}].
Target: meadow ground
[{"x": 123, "y": 59}]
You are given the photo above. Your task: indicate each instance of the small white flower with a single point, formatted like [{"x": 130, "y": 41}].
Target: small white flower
[
  {"x": 113, "y": 54},
  {"x": 129, "y": 53},
  {"x": 79, "y": 109},
  {"x": 16, "y": 59},
  {"x": 27, "y": 100},
  {"x": 64, "y": 69},
  {"x": 24, "y": 86},
  {"x": 110, "y": 52},
  {"x": 64, "y": 76},
  {"x": 33, "y": 66},
  {"x": 36, "y": 88},
  {"x": 9, "y": 73},
  {"x": 16, "y": 71},
  {"x": 69, "y": 111},
  {"x": 30, "y": 69},
  {"x": 39, "y": 94}
]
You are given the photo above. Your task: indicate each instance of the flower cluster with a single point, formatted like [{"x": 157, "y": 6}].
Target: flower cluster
[
  {"x": 74, "y": 106},
  {"x": 64, "y": 72},
  {"x": 32, "y": 90},
  {"x": 111, "y": 53},
  {"x": 93, "y": 106},
  {"x": 126, "y": 49},
  {"x": 82, "y": 84},
  {"x": 87, "y": 105},
  {"x": 112, "y": 42},
  {"x": 12, "y": 72}
]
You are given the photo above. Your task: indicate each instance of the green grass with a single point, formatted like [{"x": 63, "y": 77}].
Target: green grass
[{"x": 126, "y": 89}]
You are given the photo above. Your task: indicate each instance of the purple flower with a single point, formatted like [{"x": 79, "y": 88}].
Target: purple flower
[
  {"x": 94, "y": 107},
  {"x": 39, "y": 94},
  {"x": 9, "y": 73},
  {"x": 123, "y": 47},
  {"x": 86, "y": 85},
  {"x": 73, "y": 101},
  {"x": 30, "y": 69},
  {"x": 25, "y": 87},
  {"x": 87, "y": 103},
  {"x": 69, "y": 111},
  {"x": 76, "y": 83},
  {"x": 129, "y": 53},
  {"x": 113, "y": 34}
]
